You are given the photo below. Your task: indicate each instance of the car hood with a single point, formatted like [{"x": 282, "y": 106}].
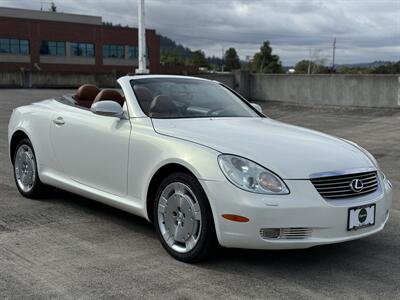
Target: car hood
[{"x": 291, "y": 152}]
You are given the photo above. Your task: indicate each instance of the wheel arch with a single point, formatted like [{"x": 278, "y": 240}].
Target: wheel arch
[
  {"x": 156, "y": 179},
  {"x": 16, "y": 137}
]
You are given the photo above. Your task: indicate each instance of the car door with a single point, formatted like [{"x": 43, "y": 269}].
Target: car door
[{"x": 92, "y": 149}]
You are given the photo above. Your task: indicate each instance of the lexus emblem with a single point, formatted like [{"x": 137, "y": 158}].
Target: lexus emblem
[{"x": 356, "y": 185}]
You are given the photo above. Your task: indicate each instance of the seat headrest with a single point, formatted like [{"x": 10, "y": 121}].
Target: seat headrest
[
  {"x": 87, "y": 92},
  {"x": 112, "y": 95},
  {"x": 144, "y": 98},
  {"x": 163, "y": 106}
]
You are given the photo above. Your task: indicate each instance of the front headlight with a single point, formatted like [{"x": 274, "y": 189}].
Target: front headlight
[
  {"x": 250, "y": 176},
  {"x": 382, "y": 175}
]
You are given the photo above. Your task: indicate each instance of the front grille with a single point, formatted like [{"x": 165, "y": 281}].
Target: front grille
[{"x": 340, "y": 186}]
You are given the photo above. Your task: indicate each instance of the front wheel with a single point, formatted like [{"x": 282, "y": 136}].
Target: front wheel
[{"x": 183, "y": 218}]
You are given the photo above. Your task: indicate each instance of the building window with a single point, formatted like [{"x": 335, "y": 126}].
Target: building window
[
  {"x": 114, "y": 51},
  {"x": 82, "y": 49},
  {"x": 133, "y": 52},
  {"x": 52, "y": 48},
  {"x": 13, "y": 46}
]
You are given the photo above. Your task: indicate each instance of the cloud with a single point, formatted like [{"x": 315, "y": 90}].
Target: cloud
[{"x": 365, "y": 30}]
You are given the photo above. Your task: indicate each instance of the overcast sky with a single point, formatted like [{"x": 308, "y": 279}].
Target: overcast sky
[{"x": 366, "y": 30}]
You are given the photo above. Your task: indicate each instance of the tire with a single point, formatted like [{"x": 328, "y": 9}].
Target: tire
[
  {"x": 183, "y": 218},
  {"x": 24, "y": 164}
]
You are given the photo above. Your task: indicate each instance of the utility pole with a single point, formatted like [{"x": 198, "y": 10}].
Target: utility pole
[
  {"x": 333, "y": 54},
  {"x": 223, "y": 58},
  {"x": 142, "y": 69},
  {"x": 309, "y": 62}
]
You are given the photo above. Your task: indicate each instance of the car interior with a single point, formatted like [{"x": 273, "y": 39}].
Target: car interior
[
  {"x": 88, "y": 94},
  {"x": 158, "y": 106},
  {"x": 166, "y": 100},
  {"x": 187, "y": 100}
]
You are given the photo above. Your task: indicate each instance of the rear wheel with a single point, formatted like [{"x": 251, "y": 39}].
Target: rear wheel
[
  {"x": 25, "y": 170},
  {"x": 183, "y": 218}
]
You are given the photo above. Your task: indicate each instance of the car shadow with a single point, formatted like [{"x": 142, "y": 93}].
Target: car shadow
[
  {"x": 316, "y": 261},
  {"x": 101, "y": 211}
]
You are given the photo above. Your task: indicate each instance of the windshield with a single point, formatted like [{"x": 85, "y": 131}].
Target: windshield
[{"x": 188, "y": 98}]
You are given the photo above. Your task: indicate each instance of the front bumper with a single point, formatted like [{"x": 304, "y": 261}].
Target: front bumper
[{"x": 325, "y": 221}]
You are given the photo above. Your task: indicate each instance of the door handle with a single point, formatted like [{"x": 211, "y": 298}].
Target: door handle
[{"x": 59, "y": 121}]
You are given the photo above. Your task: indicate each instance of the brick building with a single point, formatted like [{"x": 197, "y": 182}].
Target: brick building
[{"x": 51, "y": 41}]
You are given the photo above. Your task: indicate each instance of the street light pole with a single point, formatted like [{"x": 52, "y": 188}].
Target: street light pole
[
  {"x": 333, "y": 54},
  {"x": 142, "y": 59}
]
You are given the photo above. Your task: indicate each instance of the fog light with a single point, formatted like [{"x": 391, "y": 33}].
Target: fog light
[{"x": 270, "y": 233}]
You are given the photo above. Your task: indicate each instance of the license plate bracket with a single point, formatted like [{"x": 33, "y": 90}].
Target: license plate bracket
[{"x": 361, "y": 216}]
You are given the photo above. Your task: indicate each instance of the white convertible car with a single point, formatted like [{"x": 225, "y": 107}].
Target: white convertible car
[{"x": 201, "y": 163}]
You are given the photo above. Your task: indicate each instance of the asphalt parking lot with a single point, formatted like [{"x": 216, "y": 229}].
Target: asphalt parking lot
[{"x": 69, "y": 247}]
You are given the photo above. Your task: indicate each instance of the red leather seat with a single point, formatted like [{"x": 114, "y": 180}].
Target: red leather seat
[
  {"x": 86, "y": 94},
  {"x": 162, "y": 107},
  {"x": 144, "y": 98},
  {"x": 112, "y": 95}
]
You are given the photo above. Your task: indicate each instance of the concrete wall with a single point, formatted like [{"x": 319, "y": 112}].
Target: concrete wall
[
  {"x": 225, "y": 78},
  {"x": 11, "y": 79},
  {"x": 72, "y": 80},
  {"x": 344, "y": 90},
  {"x": 19, "y": 79},
  {"x": 48, "y": 16}
]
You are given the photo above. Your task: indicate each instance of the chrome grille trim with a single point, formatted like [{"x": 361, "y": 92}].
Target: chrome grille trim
[
  {"x": 342, "y": 172},
  {"x": 295, "y": 233},
  {"x": 333, "y": 187},
  {"x": 286, "y": 233}
]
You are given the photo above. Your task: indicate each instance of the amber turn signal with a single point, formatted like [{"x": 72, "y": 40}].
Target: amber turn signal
[{"x": 235, "y": 218}]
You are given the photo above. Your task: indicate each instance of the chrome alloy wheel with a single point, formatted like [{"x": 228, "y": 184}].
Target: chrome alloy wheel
[
  {"x": 25, "y": 168},
  {"x": 179, "y": 217}
]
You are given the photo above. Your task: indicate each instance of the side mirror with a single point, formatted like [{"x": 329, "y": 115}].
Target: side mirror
[
  {"x": 107, "y": 108},
  {"x": 257, "y": 107}
]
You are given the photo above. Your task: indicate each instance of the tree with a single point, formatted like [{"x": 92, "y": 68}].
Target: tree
[
  {"x": 389, "y": 68},
  {"x": 266, "y": 62},
  {"x": 310, "y": 67},
  {"x": 53, "y": 7},
  {"x": 354, "y": 70},
  {"x": 303, "y": 66},
  {"x": 171, "y": 58},
  {"x": 199, "y": 59},
  {"x": 232, "y": 61}
]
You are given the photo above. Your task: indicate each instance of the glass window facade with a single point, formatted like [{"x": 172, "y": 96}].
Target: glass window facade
[
  {"x": 82, "y": 49},
  {"x": 14, "y": 46},
  {"x": 114, "y": 51},
  {"x": 54, "y": 48},
  {"x": 133, "y": 52}
]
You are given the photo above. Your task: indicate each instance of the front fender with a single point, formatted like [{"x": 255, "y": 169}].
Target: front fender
[{"x": 150, "y": 151}]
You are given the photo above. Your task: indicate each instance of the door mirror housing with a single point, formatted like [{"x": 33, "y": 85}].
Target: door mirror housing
[
  {"x": 257, "y": 107},
  {"x": 107, "y": 108}
]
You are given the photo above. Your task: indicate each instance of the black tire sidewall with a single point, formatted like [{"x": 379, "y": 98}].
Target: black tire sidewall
[{"x": 207, "y": 238}]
